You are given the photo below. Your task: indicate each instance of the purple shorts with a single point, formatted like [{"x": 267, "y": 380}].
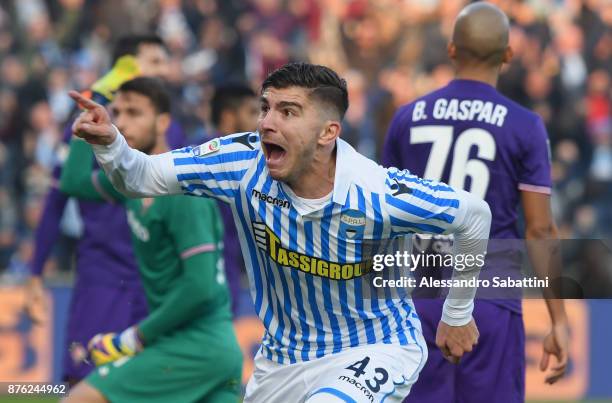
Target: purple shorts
[
  {"x": 98, "y": 309},
  {"x": 493, "y": 372}
]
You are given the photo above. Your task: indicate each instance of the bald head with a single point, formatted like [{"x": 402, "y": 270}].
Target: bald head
[{"x": 480, "y": 36}]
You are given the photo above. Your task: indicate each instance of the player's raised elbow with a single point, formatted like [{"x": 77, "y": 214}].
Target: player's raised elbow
[
  {"x": 478, "y": 213},
  {"x": 482, "y": 209}
]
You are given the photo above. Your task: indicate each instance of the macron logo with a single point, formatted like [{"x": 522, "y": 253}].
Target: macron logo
[{"x": 269, "y": 199}]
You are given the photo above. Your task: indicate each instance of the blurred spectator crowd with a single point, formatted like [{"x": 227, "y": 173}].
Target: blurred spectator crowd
[{"x": 390, "y": 51}]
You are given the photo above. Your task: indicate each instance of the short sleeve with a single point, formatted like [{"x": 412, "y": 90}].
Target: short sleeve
[
  {"x": 216, "y": 168},
  {"x": 534, "y": 171},
  {"x": 417, "y": 205},
  {"x": 194, "y": 225}
]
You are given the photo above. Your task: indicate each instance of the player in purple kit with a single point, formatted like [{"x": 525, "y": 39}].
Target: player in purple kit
[
  {"x": 469, "y": 135},
  {"x": 107, "y": 294}
]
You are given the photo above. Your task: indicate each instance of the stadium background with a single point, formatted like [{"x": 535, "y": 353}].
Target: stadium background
[{"x": 390, "y": 51}]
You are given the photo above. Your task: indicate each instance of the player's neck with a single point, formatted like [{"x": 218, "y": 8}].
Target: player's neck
[
  {"x": 160, "y": 148},
  {"x": 224, "y": 129},
  {"x": 317, "y": 180},
  {"x": 489, "y": 76}
]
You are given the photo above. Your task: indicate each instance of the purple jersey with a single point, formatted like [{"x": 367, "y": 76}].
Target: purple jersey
[
  {"x": 175, "y": 135},
  {"x": 469, "y": 135}
]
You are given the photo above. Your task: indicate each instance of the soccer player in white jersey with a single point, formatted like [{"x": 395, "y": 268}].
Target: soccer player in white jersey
[{"x": 307, "y": 206}]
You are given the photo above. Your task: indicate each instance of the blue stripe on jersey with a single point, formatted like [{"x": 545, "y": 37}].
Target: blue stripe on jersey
[
  {"x": 270, "y": 346},
  {"x": 234, "y": 156},
  {"x": 312, "y": 291},
  {"x": 413, "y": 335},
  {"x": 217, "y": 176},
  {"x": 397, "y": 316},
  {"x": 438, "y": 201},
  {"x": 252, "y": 254},
  {"x": 378, "y": 231},
  {"x": 428, "y": 197},
  {"x": 214, "y": 191},
  {"x": 183, "y": 150},
  {"x": 408, "y": 310},
  {"x": 271, "y": 283},
  {"x": 407, "y": 177},
  {"x": 418, "y": 211},
  {"x": 282, "y": 272},
  {"x": 422, "y": 227},
  {"x": 252, "y": 248},
  {"x": 352, "y": 327},
  {"x": 325, "y": 223},
  {"x": 257, "y": 269},
  {"x": 296, "y": 287},
  {"x": 368, "y": 323}
]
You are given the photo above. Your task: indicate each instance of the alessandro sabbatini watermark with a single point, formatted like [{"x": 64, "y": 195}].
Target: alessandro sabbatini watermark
[
  {"x": 421, "y": 267},
  {"x": 406, "y": 261},
  {"x": 429, "y": 268}
]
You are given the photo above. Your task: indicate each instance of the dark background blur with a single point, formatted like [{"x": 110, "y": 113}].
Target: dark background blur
[{"x": 390, "y": 51}]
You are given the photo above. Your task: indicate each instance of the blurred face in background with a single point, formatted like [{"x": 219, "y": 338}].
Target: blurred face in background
[
  {"x": 136, "y": 117},
  {"x": 245, "y": 116},
  {"x": 153, "y": 60}
]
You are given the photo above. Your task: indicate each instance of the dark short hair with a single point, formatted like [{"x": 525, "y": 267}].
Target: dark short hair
[
  {"x": 128, "y": 45},
  {"x": 326, "y": 84},
  {"x": 152, "y": 88},
  {"x": 229, "y": 96}
]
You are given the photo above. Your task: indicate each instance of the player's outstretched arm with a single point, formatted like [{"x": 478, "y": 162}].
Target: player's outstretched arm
[
  {"x": 544, "y": 255},
  {"x": 423, "y": 206},
  {"x": 131, "y": 172},
  {"x": 457, "y": 333}
]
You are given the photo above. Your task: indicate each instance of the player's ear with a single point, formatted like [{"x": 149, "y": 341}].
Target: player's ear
[
  {"x": 329, "y": 134},
  {"x": 451, "y": 50},
  {"x": 162, "y": 123},
  {"x": 508, "y": 53}
]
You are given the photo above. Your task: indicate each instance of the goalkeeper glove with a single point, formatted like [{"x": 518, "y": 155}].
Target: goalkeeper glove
[
  {"x": 124, "y": 70},
  {"x": 109, "y": 347}
]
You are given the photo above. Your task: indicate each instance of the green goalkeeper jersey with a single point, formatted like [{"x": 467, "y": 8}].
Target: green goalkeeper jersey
[
  {"x": 178, "y": 242},
  {"x": 167, "y": 231}
]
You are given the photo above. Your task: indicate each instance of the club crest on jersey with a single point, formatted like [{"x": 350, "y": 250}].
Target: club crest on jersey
[
  {"x": 209, "y": 147},
  {"x": 352, "y": 224}
]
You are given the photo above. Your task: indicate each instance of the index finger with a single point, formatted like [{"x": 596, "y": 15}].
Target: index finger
[
  {"x": 555, "y": 375},
  {"x": 82, "y": 101}
]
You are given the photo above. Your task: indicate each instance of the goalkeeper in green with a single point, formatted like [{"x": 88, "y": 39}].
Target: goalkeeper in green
[{"x": 185, "y": 350}]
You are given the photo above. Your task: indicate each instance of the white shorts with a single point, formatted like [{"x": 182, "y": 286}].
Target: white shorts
[{"x": 368, "y": 373}]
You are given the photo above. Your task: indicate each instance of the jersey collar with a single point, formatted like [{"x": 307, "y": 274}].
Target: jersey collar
[{"x": 346, "y": 158}]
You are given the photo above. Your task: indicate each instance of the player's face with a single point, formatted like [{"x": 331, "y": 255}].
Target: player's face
[
  {"x": 246, "y": 115},
  {"x": 153, "y": 60},
  {"x": 136, "y": 117},
  {"x": 289, "y": 125}
]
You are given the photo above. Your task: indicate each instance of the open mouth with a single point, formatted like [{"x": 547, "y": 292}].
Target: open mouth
[{"x": 274, "y": 152}]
